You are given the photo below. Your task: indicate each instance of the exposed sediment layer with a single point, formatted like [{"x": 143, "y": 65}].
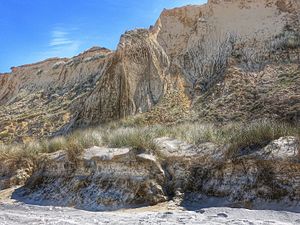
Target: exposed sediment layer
[{"x": 105, "y": 178}]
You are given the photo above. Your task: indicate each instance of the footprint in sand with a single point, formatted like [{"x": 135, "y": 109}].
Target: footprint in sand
[
  {"x": 224, "y": 215},
  {"x": 269, "y": 222},
  {"x": 200, "y": 211}
]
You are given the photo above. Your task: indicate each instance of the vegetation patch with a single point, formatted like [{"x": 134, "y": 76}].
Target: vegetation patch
[
  {"x": 258, "y": 134},
  {"x": 233, "y": 136}
]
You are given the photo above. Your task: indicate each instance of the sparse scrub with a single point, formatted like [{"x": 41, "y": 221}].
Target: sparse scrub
[
  {"x": 289, "y": 39},
  {"x": 53, "y": 145},
  {"x": 18, "y": 152},
  {"x": 193, "y": 133},
  {"x": 74, "y": 144},
  {"x": 252, "y": 57},
  {"x": 209, "y": 59},
  {"x": 4, "y": 134},
  {"x": 140, "y": 138},
  {"x": 14, "y": 157},
  {"x": 258, "y": 134},
  {"x": 236, "y": 136}
]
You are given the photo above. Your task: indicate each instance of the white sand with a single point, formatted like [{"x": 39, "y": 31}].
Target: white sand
[
  {"x": 19, "y": 213},
  {"x": 13, "y": 212}
]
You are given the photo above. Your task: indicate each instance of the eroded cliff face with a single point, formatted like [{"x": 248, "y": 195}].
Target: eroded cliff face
[
  {"x": 135, "y": 79},
  {"x": 51, "y": 74},
  {"x": 39, "y": 99},
  {"x": 180, "y": 29},
  {"x": 102, "y": 178},
  {"x": 196, "y": 37},
  {"x": 194, "y": 50},
  {"x": 108, "y": 178}
]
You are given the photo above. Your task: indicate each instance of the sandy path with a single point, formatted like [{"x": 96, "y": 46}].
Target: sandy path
[{"x": 17, "y": 213}]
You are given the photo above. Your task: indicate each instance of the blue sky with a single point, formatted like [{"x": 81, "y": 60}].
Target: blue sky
[{"x": 33, "y": 30}]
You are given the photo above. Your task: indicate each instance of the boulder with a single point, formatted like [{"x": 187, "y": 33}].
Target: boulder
[
  {"x": 176, "y": 148},
  {"x": 285, "y": 148}
]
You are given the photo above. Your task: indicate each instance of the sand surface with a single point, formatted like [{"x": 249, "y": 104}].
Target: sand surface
[{"x": 13, "y": 212}]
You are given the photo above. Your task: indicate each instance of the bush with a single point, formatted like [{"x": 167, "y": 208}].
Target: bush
[
  {"x": 289, "y": 39},
  {"x": 53, "y": 145},
  {"x": 193, "y": 133}
]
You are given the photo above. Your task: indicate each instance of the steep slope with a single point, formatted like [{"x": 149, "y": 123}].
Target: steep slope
[
  {"x": 180, "y": 29},
  {"x": 203, "y": 44},
  {"x": 226, "y": 51},
  {"x": 135, "y": 80},
  {"x": 204, "y": 41},
  {"x": 38, "y": 99}
]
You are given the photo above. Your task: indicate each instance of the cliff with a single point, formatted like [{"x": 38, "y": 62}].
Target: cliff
[{"x": 233, "y": 60}]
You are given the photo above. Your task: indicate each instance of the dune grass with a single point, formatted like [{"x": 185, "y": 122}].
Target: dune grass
[
  {"x": 258, "y": 134},
  {"x": 234, "y": 137}
]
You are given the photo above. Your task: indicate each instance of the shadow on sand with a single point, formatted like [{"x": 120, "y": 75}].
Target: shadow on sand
[
  {"x": 22, "y": 195},
  {"x": 191, "y": 202}
]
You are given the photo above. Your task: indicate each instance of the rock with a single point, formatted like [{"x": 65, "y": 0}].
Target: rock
[
  {"x": 104, "y": 154},
  {"x": 109, "y": 178},
  {"x": 285, "y": 148},
  {"x": 204, "y": 170},
  {"x": 134, "y": 80},
  {"x": 175, "y": 148},
  {"x": 56, "y": 85}
]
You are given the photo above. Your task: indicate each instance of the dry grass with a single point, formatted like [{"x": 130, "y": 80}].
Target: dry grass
[
  {"x": 258, "y": 134},
  {"x": 74, "y": 144},
  {"x": 235, "y": 136},
  {"x": 140, "y": 138},
  {"x": 14, "y": 157}
]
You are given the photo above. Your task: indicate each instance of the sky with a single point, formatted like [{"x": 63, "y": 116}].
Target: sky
[{"x": 33, "y": 30}]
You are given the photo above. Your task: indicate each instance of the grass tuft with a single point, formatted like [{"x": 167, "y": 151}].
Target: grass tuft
[
  {"x": 236, "y": 136},
  {"x": 258, "y": 134}
]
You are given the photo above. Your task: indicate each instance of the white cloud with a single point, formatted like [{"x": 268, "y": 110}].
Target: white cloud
[
  {"x": 60, "y": 38},
  {"x": 62, "y": 44}
]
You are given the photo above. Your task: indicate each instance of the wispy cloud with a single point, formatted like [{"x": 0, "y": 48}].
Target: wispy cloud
[
  {"x": 62, "y": 43},
  {"x": 60, "y": 38}
]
